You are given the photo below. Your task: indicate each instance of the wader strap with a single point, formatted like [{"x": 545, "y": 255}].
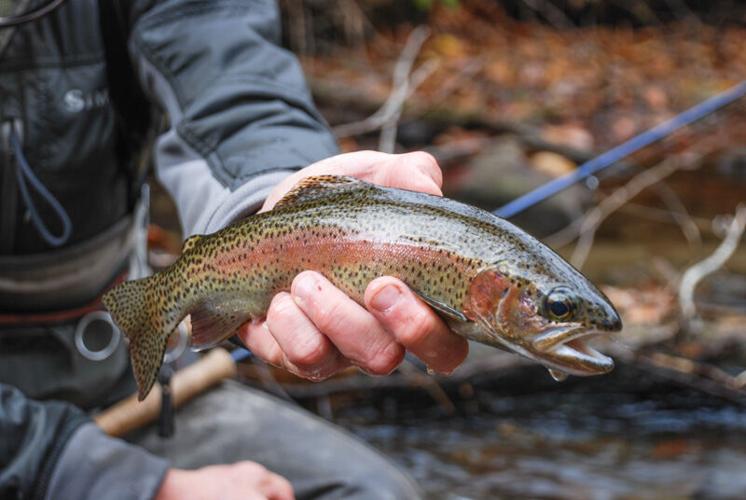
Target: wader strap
[
  {"x": 66, "y": 278},
  {"x": 9, "y": 194},
  {"x": 54, "y": 317},
  {"x": 135, "y": 118}
]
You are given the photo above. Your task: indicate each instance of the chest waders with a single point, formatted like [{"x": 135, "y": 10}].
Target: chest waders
[{"x": 61, "y": 246}]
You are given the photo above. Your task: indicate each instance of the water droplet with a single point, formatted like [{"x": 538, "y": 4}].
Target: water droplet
[{"x": 557, "y": 375}]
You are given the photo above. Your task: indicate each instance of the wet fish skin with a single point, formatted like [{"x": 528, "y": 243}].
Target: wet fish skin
[{"x": 490, "y": 280}]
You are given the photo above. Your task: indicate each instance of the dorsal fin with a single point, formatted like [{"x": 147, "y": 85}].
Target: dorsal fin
[
  {"x": 190, "y": 242},
  {"x": 317, "y": 186}
]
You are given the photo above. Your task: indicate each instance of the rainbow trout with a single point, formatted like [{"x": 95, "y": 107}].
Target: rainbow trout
[{"x": 491, "y": 281}]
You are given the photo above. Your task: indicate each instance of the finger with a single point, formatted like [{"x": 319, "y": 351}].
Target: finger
[
  {"x": 256, "y": 336},
  {"x": 303, "y": 345},
  {"x": 352, "y": 329},
  {"x": 416, "y": 171},
  {"x": 254, "y": 480},
  {"x": 415, "y": 325},
  {"x": 276, "y": 487},
  {"x": 260, "y": 341},
  {"x": 359, "y": 164}
]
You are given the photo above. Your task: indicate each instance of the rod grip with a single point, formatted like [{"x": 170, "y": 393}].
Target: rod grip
[{"x": 129, "y": 414}]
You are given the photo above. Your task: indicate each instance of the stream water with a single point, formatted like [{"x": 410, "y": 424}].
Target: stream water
[{"x": 630, "y": 436}]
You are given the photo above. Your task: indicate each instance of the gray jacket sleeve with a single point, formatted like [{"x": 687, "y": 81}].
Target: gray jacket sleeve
[
  {"x": 51, "y": 450},
  {"x": 32, "y": 436},
  {"x": 240, "y": 115},
  {"x": 94, "y": 466}
]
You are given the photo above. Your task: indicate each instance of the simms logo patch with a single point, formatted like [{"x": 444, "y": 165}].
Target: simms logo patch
[{"x": 76, "y": 100}]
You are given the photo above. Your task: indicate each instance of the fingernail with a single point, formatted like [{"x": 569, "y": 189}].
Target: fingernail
[
  {"x": 298, "y": 301},
  {"x": 386, "y": 298},
  {"x": 304, "y": 287}
]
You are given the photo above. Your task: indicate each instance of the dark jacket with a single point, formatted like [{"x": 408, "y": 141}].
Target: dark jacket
[{"x": 239, "y": 119}]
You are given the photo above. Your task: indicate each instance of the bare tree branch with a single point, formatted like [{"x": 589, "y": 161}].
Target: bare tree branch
[
  {"x": 594, "y": 217},
  {"x": 663, "y": 215},
  {"x": 702, "y": 377},
  {"x": 387, "y": 141},
  {"x": 720, "y": 256},
  {"x": 402, "y": 87},
  {"x": 679, "y": 213}
]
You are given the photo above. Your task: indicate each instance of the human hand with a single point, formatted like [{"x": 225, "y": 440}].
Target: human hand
[
  {"x": 307, "y": 331},
  {"x": 242, "y": 480},
  {"x": 416, "y": 171}
]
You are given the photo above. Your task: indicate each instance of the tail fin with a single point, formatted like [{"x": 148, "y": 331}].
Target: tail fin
[{"x": 137, "y": 309}]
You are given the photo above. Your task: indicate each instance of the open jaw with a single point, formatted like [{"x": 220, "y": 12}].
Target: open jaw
[
  {"x": 566, "y": 350},
  {"x": 562, "y": 348}
]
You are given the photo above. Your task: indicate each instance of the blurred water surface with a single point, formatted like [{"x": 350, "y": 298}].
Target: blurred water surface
[{"x": 593, "y": 439}]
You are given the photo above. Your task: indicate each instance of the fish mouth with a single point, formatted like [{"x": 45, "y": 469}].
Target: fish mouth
[{"x": 565, "y": 349}]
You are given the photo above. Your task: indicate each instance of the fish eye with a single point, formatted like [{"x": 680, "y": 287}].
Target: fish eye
[{"x": 560, "y": 304}]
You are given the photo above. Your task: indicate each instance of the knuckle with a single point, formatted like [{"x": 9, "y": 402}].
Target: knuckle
[
  {"x": 328, "y": 317},
  {"x": 260, "y": 343},
  {"x": 281, "y": 308},
  {"x": 426, "y": 162},
  {"x": 385, "y": 361},
  {"x": 274, "y": 357},
  {"x": 309, "y": 352},
  {"x": 254, "y": 468},
  {"x": 416, "y": 328},
  {"x": 425, "y": 158}
]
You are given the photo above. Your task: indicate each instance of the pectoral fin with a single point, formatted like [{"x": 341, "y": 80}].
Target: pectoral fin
[
  {"x": 215, "y": 321},
  {"x": 557, "y": 375},
  {"x": 442, "y": 307}
]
